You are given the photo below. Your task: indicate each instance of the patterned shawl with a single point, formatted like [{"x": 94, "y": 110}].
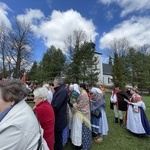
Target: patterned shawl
[
  {"x": 82, "y": 108},
  {"x": 136, "y": 98},
  {"x": 97, "y": 101}
]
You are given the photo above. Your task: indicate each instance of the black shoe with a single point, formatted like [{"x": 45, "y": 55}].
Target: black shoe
[
  {"x": 121, "y": 122},
  {"x": 116, "y": 120}
]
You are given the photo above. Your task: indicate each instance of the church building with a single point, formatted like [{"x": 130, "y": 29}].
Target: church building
[{"x": 105, "y": 74}]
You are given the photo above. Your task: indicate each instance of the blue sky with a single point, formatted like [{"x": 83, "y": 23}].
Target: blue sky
[{"x": 102, "y": 20}]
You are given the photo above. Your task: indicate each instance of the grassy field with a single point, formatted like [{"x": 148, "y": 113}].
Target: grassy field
[{"x": 119, "y": 138}]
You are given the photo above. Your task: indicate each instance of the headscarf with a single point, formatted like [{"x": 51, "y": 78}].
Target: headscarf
[
  {"x": 76, "y": 88},
  {"x": 94, "y": 90},
  {"x": 136, "y": 97},
  {"x": 71, "y": 86}
]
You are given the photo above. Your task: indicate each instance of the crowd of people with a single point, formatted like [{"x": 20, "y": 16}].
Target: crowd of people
[{"x": 62, "y": 112}]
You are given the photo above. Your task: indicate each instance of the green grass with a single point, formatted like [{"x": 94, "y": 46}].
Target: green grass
[
  {"x": 118, "y": 138},
  {"x": 31, "y": 104}
]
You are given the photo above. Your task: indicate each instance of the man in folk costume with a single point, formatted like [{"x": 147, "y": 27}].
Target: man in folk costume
[{"x": 118, "y": 104}]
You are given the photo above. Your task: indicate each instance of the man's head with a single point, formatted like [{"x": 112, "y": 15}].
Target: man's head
[
  {"x": 57, "y": 81},
  {"x": 116, "y": 86}
]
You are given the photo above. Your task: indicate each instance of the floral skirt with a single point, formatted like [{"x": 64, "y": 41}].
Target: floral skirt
[{"x": 86, "y": 137}]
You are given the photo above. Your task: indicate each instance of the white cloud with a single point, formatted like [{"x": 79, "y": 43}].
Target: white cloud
[
  {"x": 34, "y": 17},
  {"x": 109, "y": 15},
  {"x": 3, "y": 14},
  {"x": 129, "y": 6},
  {"x": 31, "y": 15},
  {"x": 49, "y": 3},
  {"x": 62, "y": 24},
  {"x": 55, "y": 29},
  {"x": 136, "y": 31}
]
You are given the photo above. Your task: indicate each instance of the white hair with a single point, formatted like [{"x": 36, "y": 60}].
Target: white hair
[{"x": 42, "y": 93}]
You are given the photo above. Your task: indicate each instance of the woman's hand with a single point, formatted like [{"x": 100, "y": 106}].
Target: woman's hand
[{"x": 129, "y": 102}]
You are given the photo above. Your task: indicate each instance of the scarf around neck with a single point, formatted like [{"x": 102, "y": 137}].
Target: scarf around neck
[{"x": 4, "y": 113}]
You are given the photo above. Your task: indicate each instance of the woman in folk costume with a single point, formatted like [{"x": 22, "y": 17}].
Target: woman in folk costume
[
  {"x": 101, "y": 87},
  {"x": 74, "y": 94},
  {"x": 81, "y": 134},
  {"x": 99, "y": 124},
  {"x": 136, "y": 118},
  {"x": 73, "y": 98}
]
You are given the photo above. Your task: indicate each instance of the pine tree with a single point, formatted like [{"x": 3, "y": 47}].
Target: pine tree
[
  {"x": 83, "y": 64},
  {"x": 33, "y": 74},
  {"x": 117, "y": 72},
  {"x": 89, "y": 71},
  {"x": 52, "y": 63},
  {"x": 136, "y": 64}
]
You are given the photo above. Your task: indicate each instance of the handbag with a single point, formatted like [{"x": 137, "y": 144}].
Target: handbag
[{"x": 96, "y": 112}]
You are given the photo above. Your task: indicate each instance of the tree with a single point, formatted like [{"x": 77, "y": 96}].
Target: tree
[
  {"x": 88, "y": 67},
  {"x": 73, "y": 45},
  {"x": 21, "y": 37},
  {"x": 137, "y": 66},
  {"x": 82, "y": 60},
  {"x": 118, "y": 49},
  {"x": 118, "y": 72},
  {"x": 52, "y": 63},
  {"x": 4, "y": 46},
  {"x": 119, "y": 46},
  {"x": 83, "y": 63},
  {"x": 147, "y": 73},
  {"x": 33, "y": 74}
]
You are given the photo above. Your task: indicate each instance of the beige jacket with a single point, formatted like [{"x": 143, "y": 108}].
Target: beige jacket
[{"x": 19, "y": 129}]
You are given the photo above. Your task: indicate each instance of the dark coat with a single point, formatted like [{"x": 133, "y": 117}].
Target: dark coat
[
  {"x": 59, "y": 104},
  {"x": 122, "y": 105}
]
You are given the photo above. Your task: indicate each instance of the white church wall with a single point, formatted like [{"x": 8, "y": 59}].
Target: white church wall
[
  {"x": 107, "y": 80},
  {"x": 99, "y": 66}
]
